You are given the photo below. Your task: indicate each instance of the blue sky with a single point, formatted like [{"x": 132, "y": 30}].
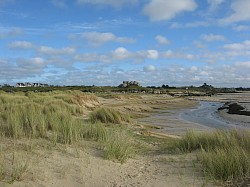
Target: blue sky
[{"x": 103, "y": 42}]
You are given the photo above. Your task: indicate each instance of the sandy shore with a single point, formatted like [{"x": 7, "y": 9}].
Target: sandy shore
[
  {"x": 242, "y": 98},
  {"x": 77, "y": 166},
  {"x": 239, "y": 120},
  {"x": 83, "y": 165}
]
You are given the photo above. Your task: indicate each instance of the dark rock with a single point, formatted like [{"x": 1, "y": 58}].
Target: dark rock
[{"x": 235, "y": 108}]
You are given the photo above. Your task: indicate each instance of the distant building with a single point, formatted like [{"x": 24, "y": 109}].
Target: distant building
[
  {"x": 35, "y": 84},
  {"x": 27, "y": 84},
  {"x": 20, "y": 85}
]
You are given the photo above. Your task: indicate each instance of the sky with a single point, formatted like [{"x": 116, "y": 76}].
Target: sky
[{"x": 105, "y": 42}]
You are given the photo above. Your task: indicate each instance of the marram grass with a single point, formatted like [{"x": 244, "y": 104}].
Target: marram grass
[
  {"x": 192, "y": 141},
  {"x": 229, "y": 164},
  {"x": 118, "y": 145},
  {"x": 56, "y": 116},
  {"x": 224, "y": 155},
  {"x": 40, "y": 115},
  {"x": 108, "y": 115},
  {"x": 115, "y": 142}
]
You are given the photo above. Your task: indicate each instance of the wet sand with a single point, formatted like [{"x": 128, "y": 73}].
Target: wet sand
[
  {"x": 242, "y": 99},
  {"x": 204, "y": 117},
  {"x": 170, "y": 122},
  {"x": 207, "y": 114}
]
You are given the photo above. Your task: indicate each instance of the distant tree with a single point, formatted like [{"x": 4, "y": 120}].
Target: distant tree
[
  {"x": 165, "y": 86},
  {"x": 6, "y": 85},
  {"x": 206, "y": 86}
]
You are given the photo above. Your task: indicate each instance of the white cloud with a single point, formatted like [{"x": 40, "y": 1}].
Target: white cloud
[
  {"x": 162, "y": 40},
  {"x": 199, "y": 44},
  {"x": 20, "y": 45},
  {"x": 204, "y": 73},
  {"x": 21, "y": 68},
  {"x": 159, "y": 10},
  {"x": 189, "y": 25},
  {"x": 193, "y": 69},
  {"x": 243, "y": 65},
  {"x": 214, "y": 4},
  {"x": 243, "y": 46},
  {"x": 212, "y": 37},
  {"x": 241, "y": 28},
  {"x": 177, "y": 55},
  {"x": 87, "y": 57},
  {"x": 114, "y": 3},
  {"x": 240, "y": 12},
  {"x": 59, "y": 3},
  {"x": 53, "y": 51},
  {"x": 97, "y": 38},
  {"x": 212, "y": 57},
  {"x": 12, "y": 32},
  {"x": 31, "y": 65},
  {"x": 152, "y": 54},
  {"x": 149, "y": 68},
  {"x": 168, "y": 54},
  {"x": 121, "y": 53},
  {"x": 231, "y": 75}
]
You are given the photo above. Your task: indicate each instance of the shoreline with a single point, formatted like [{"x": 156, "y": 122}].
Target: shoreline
[
  {"x": 172, "y": 121},
  {"x": 242, "y": 99},
  {"x": 229, "y": 113}
]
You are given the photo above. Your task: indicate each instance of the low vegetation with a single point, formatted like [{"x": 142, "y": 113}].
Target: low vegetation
[
  {"x": 57, "y": 117},
  {"x": 108, "y": 115},
  {"x": 224, "y": 155},
  {"x": 38, "y": 117},
  {"x": 116, "y": 142}
]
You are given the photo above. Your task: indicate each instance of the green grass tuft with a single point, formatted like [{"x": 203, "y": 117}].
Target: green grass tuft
[
  {"x": 118, "y": 145},
  {"x": 95, "y": 131},
  {"x": 115, "y": 141},
  {"x": 192, "y": 141},
  {"x": 108, "y": 115},
  {"x": 224, "y": 155},
  {"x": 230, "y": 164}
]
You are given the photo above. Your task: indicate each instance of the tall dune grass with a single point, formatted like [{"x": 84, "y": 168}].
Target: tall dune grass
[
  {"x": 95, "y": 131},
  {"x": 115, "y": 142},
  {"x": 224, "y": 155},
  {"x": 231, "y": 164},
  {"x": 57, "y": 117},
  {"x": 118, "y": 145},
  {"x": 40, "y": 115},
  {"x": 108, "y": 115},
  {"x": 192, "y": 141}
]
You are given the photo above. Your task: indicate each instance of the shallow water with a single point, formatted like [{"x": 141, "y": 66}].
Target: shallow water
[{"x": 206, "y": 114}]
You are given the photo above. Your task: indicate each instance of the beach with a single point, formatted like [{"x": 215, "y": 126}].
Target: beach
[
  {"x": 156, "y": 119},
  {"x": 203, "y": 116},
  {"x": 240, "y": 98}
]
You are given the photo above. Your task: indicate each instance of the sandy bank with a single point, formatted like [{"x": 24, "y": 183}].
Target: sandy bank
[
  {"x": 236, "y": 112},
  {"x": 242, "y": 98}
]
